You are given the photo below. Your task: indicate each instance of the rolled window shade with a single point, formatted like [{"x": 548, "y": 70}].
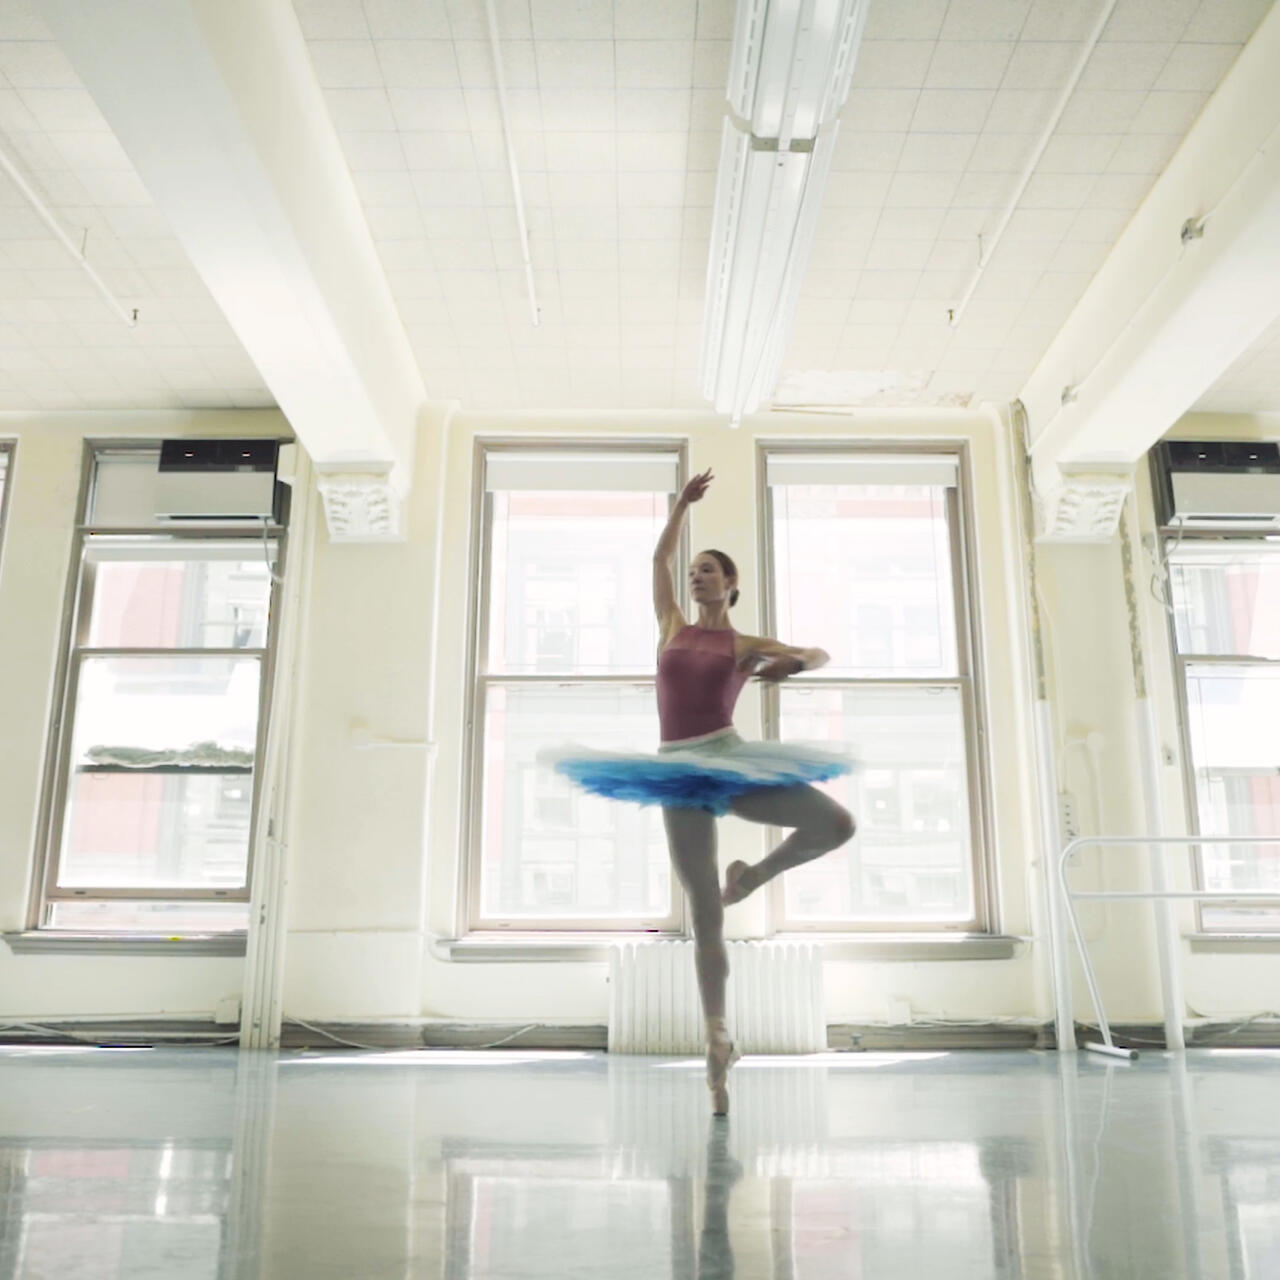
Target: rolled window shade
[
  {"x": 583, "y": 472},
  {"x": 861, "y": 468}
]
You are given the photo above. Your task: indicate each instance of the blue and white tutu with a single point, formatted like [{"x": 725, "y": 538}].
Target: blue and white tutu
[{"x": 703, "y": 773}]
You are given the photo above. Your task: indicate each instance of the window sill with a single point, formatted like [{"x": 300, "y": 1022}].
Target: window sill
[
  {"x": 487, "y": 948},
  {"x": 66, "y": 942},
  {"x": 1209, "y": 943}
]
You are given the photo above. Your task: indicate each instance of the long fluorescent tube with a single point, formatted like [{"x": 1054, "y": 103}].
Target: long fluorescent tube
[
  {"x": 766, "y": 211},
  {"x": 789, "y": 76},
  {"x": 791, "y": 64}
]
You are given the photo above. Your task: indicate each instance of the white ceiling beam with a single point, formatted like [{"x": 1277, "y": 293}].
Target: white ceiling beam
[
  {"x": 1168, "y": 311},
  {"x": 218, "y": 107}
]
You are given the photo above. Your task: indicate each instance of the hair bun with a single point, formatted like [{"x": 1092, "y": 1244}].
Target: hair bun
[{"x": 733, "y": 597}]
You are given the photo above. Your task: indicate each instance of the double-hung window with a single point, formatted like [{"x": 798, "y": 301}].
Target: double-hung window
[
  {"x": 1225, "y": 610},
  {"x": 6, "y": 451},
  {"x": 565, "y": 648},
  {"x": 163, "y": 714},
  {"x": 865, "y": 557}
]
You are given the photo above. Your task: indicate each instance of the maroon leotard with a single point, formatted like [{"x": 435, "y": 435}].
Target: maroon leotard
[{"x": 698, "y": 683}]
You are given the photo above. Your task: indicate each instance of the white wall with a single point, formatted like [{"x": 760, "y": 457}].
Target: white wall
[
  {"x": 35, "y": 561},
  {"x": 374, "y": 858},
  {"x": 357, "y": 875}
]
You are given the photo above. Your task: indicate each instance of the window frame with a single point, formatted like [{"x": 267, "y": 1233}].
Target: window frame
[
  {"x": 479, "y": 577},
  {"x": 1179, "y": 662},
  {"x": 71, "y": 653},
  {"x": 970, "y": 663},
  {"x": 8, "y": 451}
]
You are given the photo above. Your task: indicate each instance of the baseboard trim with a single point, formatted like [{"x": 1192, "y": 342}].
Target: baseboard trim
[{"x": 456, "y": 1034}]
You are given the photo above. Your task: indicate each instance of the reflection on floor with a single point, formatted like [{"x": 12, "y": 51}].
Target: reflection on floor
[{"x": 171, "y": 1164}]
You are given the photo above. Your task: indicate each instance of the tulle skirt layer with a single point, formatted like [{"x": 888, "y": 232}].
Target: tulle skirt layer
[{"x": 706, "y": 774}]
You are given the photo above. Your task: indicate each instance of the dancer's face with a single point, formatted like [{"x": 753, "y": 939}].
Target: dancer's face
[{"x": 707, "y": 580}]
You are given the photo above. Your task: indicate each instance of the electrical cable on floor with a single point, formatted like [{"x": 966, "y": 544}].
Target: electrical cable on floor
[
  {"x": 174, "y": 1037},
  {"x": 382, "y": 1048}
]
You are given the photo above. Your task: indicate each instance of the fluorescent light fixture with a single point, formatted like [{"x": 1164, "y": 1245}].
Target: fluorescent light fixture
[
  {"x": 789, "y": 76},
  {"x": 792, "y": 62},
  {"x": 766, "y": 211}
]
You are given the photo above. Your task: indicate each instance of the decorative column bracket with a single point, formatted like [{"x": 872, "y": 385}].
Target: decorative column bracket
[
  {"x": 1084, "y": 507},
  {"x": 361, "y": 506}
]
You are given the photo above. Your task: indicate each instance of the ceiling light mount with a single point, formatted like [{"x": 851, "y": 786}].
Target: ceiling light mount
[{"x": 789, "y": 75}]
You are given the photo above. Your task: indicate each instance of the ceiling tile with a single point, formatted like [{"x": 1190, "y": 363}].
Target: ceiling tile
[
  {"x": 1101, "y": 111},
  {"x": 1165, "y": 112},
  {"x": 331, "y": 19},
  {"x": 418, "y": 64},
  {"x": 880, "y": 110},
  {"x": 572, "y": 19},
  {"x": 652, "y": 110},
  {"x": 1143, "y": 153},
  {"x": 655, "y": 19},
  {"x": 1233, "y": 21},
  {"x": 1149, "y": 19},
  {"x": 406, "y": 20},
  {"x": 1125, "y": 65},
  {"x": 1040, "y": 65},
  {"x": 643, "y": 152},
  {"x": 575, "y": 64},
  {"x": 655, "y": 64},
  {"x": 920, "y": 20},
  {"x": 360, "y": 110},
  {"x": 426, "y": 109},
  {"x": 892, "y": 64},
  {"x": 869, "y": 152},
  {"x": 936, "y": 153},
  {"x": 1078, "y": 153},
  {"x": 968, "y": 64},
  {"x": 567, "y": 110},
  {"x": 345, "y": 64}
]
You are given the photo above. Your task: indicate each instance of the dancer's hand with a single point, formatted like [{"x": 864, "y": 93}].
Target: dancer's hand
[
  {"x": 696, "y": 487},
  {"x": 779, "y": 668}
]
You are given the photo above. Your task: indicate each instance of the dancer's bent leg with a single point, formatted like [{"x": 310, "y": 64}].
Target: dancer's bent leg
[
  {"x": 821, "y": 825},
  {"x": 691, "y": 836}
]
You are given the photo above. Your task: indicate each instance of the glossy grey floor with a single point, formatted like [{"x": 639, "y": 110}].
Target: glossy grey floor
[{"x": 168, "y": 1164}]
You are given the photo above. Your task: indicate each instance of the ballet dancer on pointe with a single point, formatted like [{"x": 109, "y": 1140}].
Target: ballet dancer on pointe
[{"x": 703, "y": 769}]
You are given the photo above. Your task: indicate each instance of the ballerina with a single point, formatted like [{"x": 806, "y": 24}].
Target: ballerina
[{"x": 703, "y": 769}]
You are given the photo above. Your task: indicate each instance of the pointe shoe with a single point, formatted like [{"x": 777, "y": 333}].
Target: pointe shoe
[
  {"x": 733, "y": 890},
  {"x": 721, "y": 1055}
]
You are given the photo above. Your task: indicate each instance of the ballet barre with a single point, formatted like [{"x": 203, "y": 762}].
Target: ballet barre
[{"x": 1068, "y": 897}]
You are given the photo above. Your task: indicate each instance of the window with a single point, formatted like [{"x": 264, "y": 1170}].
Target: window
[
  {"x": 163, "y": 715},
  {"x": 865, "y": 558},
  {"x": 6, "y": 451},
  {"x": 1224, "y": 597},
  {"x": 565, "y": 654}
]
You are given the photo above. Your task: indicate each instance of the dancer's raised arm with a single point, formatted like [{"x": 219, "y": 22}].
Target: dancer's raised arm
[{"x": 664, "y": 554}]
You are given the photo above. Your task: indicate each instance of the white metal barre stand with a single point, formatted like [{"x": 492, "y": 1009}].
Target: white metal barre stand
[{"x": 1168, "y": 950}]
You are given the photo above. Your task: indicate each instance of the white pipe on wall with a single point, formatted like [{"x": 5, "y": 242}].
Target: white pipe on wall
[
  {"x": 1171, "y": 995},
  {"x": 260, "y": 1011}
]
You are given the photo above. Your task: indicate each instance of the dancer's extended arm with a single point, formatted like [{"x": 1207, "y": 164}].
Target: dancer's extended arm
[
  {"x": 664, "y": 554},
  {"x": 780, "y": 660}
]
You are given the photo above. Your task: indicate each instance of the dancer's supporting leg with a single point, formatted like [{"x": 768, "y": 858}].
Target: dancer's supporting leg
[
  {"x": 691, "y": 836},
  {"x": 821, "y": 824}
]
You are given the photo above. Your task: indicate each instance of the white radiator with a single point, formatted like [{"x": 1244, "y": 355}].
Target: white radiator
[{"x": 775, "y": 1002}]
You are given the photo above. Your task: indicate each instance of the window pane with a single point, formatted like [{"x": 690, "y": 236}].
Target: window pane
[
  {"x": 167, "y": 918},
  {"x": 131, "y": 828},
  {"x": 161, "y": 784},
  {"x": 1226, "y": 599},
  {"x": 571, "y": 582},
  {"x": 195, "y": 595},
  {"x": 549, "y": 849},
  {"x": 911, "y": 858},
  {"x": 1235, "y": 746},
  {"x": 864, "y": 571}
]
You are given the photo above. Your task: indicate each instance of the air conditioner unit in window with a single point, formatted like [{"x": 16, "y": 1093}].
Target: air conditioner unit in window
[
  {"x": 217, "y": 480},
  {"x": 1218, "y": 484}
]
